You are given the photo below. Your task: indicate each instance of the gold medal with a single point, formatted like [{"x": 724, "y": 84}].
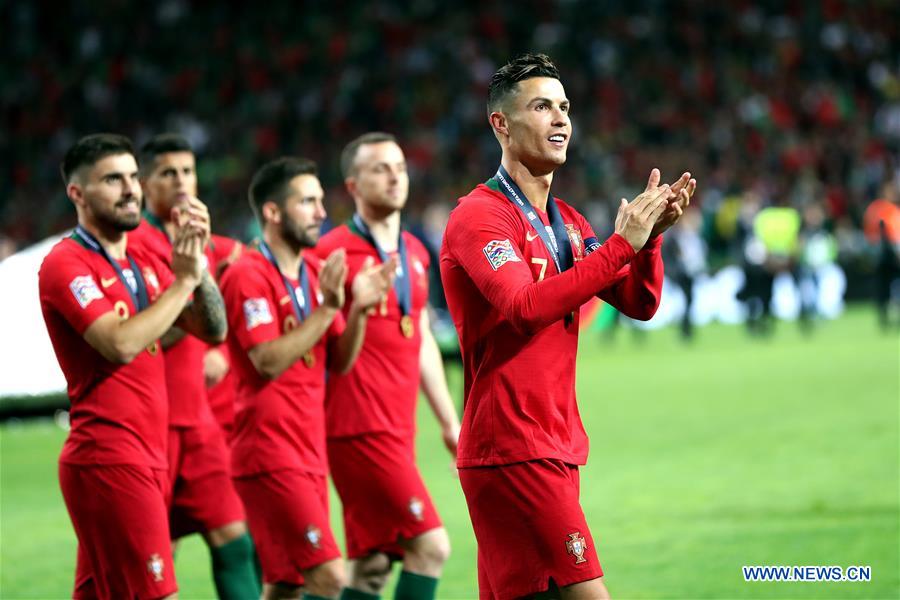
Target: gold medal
[
  {"x": 309, "y": 358},
  {"x": 406, "y": 326},
  {"x": 153, "y": 348}
]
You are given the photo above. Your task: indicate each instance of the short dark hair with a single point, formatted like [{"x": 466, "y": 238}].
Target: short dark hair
[
  {"x": 526, "y": 66},
  {"x": 92, "y": 148},
  {"x": 270, "y": 181},
  {"x": 348, "y": 155},
  {"x": 162, "y": 143}
]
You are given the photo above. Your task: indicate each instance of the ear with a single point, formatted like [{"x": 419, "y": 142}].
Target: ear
[
  {"x": 75, "y": 193},
  {"x": 350, "y": 184},
  {"x": 271, "y": 212},
  {"x": 499, "y": 123}
]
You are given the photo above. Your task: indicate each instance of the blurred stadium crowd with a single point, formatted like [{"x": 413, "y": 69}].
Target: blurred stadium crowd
[{"x": 792, "y": 104}]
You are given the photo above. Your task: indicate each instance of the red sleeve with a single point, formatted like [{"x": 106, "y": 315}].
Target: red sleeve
[
  {"x": 636, "y": 289},
  {"x": 67, "y": 284},
  {"x": 475, "y": 227},
  {"x": 252, "y": 310},
  {"x": 224, "y": 251}
]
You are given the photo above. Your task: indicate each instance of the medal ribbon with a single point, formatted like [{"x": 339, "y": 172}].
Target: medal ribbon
[
  {"x": 402, "y": 284},
  {"x": 550, "y": 235},
  {"x": 139, "y": 296},
  {"x": 300, "y": 311}
]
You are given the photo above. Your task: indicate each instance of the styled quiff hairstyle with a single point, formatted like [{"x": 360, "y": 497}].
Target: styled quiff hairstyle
[{"x": 504, "y": 82}]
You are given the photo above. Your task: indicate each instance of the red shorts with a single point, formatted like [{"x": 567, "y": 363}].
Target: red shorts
[
  {"x": 203, "y": 495},
  {"x": 287, "y": 512},
  {"x": 529, "y": 526},
  {"x": 383, "y": 495},
  {"x": 120, "y": 518}
]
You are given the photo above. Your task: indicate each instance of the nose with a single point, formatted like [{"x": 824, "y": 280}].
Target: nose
[
  {"x": 130, "y": 186},
  {"x": 320, "y": 211},
  {"x": 560, "y": 117}
]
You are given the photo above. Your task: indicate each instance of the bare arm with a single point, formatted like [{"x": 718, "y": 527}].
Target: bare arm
[
  {"x": 434, "y": 385},
  {"x": 121, "y": 340},
  {"x": 346, "y": 348},
  {"x": 204, "y": 317},
  {"x": 369, "y": 287},
  {"x": 272, "y": 358}
]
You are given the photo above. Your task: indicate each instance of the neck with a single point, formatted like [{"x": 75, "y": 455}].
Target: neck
[
  {"x": 286, "y": 255},
  {"x": 166, "y": 221},
  {"x": 385, "y": 228},
  {"x": 535, "y": 184},
  {"x": 113, "y": 241}
]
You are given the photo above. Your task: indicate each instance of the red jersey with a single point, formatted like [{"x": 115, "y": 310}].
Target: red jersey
[
  {"x": 279, "y": 423},
  {"x": 224, "y": 251},
  {"x": 380, "y": 392},
  {"x": 184, "y": 360},
  {"x": 119, "y": 412},
  {"x": 517, "y": 319}
]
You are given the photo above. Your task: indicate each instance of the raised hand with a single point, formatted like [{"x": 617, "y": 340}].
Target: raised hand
[
  {"x": 636, "y": 219},
  {"x": 332, "y": 278},
  {"x": 193, "y": 214},
  {"x": 683, "y": 190},
  {"x": 373, "y": 282},
  {"x": 187, "y": 254}
]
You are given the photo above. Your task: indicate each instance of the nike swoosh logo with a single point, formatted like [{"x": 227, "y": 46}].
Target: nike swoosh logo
[
  {"x": 108, "y": 282},
  {"x": 530, "y": 237}
]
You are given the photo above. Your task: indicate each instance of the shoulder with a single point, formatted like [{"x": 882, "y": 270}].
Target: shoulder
[
  {"x": 223, "y": 246},
  {"x": 251, "y": 266},
  {"x": 339, "y": 237},
  {"x": 146, "y": 238},
  {"x": 480, "y": 206},
  {"x": 63, "y": 256}
]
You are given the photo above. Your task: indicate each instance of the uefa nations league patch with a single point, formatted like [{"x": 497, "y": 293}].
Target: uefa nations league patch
[{"x": 500, "y": 252}]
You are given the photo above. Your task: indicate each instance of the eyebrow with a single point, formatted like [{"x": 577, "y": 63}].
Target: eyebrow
[
  {"x": 547, "y": 101},
  {"x": 118, "y": 174}
]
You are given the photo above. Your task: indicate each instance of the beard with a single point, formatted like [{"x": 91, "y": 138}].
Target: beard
[
  {"x": 299, "y": 236},
  {"x": 119, "y": 222}
]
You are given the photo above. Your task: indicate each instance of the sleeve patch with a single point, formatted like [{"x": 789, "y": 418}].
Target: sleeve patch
[
  {"x": 256, "y": 312},
  {"x": 85, "y": 290},
  {"x": 500, "y": 252}
]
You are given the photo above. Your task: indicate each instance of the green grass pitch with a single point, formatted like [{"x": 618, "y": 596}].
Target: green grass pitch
[{"x": 705, "y": 457}]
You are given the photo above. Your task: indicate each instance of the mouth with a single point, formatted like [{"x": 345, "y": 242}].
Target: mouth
[
  {"x": 130, "y": 205},
  {"x": 558, "y": 139}
]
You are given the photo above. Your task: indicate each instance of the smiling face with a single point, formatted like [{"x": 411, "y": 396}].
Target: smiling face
[
  {"x": 107, "y": 194},
  {"x": 171, "y": 182},
  {"x": 533, "y": 125}
]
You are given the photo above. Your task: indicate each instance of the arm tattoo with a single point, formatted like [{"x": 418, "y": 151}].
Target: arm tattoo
[
  {"x": 208, "y": 307},
  {"x": 172, "y": 337}
]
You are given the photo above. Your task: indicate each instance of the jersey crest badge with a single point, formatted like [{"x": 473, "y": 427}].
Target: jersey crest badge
[
  {"x": 150, "y": 278},
  {"x": 314, "y": 536},
  {"x": 85, "y": 290},
  {"x": 417, "y": 508},
  {"x": 155, "y": 567},
  {"x": 500, "y": 252},
  {"x": 576, "y": 545},
  {"x": 130, "y": 279},
  {"x": 576, "y": 240},
  {"x": 256, "y": 312}
]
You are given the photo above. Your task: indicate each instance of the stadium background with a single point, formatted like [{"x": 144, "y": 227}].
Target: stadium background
[{"x": 706, "y": 456}]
